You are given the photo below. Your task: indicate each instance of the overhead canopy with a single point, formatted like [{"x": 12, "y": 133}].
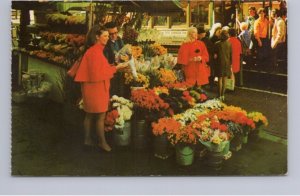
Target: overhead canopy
[
  {"x": 33, "y": 5},
  {"x": 153, "y": 7}
]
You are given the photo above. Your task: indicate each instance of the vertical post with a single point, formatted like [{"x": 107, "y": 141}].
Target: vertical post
[
  {"x": 211, "y": 14},
  {"x": 188, "y": 14},
  {"x": 90, "y": 16},
  {"x": 269, "y": 29},
  {"x": 24, "y": 21},
  {"x": 151, "y": 22},
  {"x": 169, "y": 22}
]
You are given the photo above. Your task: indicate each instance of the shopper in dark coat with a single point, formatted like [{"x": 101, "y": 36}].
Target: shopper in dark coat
[{"x": 223, "y": 56}]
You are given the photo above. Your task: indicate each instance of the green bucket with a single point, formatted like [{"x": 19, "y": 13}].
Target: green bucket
[{"x": 184, "y": 155}]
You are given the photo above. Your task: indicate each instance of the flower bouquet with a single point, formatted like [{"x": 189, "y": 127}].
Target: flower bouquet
[
  {"x": 126, "y": 55},
  {"x": 260, "y": 120},
  {"x": 124, "y": 108},
  {"x": 162, "y": 130},
  {"x": 140, "y": 81},
  {"x": 118, "y": 119},
  {"x": 149, "y": 104}
]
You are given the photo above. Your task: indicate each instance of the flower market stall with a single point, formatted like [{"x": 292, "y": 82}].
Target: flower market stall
[
  {"x": 156, "y": 109},
  {"x": 172, "y": 117}
]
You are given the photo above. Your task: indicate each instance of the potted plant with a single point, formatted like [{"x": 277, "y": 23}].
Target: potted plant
[{"x": 260, "y": 121}]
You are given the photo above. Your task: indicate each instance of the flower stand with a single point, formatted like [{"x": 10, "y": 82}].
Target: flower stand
[
  {"x": 122, "y": 137},
  {"x": 161, "y": 147},
  {"x": 184, "y": 154}
]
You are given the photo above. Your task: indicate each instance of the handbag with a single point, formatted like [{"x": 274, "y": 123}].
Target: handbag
[
  {"x": 229, "y": 84},
  {"x": 73, "y": 70}
]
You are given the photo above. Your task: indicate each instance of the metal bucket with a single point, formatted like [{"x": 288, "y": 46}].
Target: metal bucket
[
  {"x": 215, "y": 160},
  {"x": 161, "y": 147},
  {"x": 122, "y": 137},
  {"x": 140, "y": 135}
]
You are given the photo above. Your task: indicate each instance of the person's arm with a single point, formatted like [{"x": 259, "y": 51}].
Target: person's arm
[
  {"x": 183, "y": 55},
  {"x": 256, "y": 33},
  {"x": 280, "y": 33},
  {"x": 204, "y": 54}
]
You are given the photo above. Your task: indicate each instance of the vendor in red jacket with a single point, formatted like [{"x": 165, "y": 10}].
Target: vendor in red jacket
[
  {"x": 193, "y": 56},
  {"x": 94, "y": 74}
]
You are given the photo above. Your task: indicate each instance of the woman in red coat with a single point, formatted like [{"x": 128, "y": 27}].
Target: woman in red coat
[
  {"x": 193, "y": 56},
  {"x": 94, "y": 74},
  {"x": 236, "y": 52}
]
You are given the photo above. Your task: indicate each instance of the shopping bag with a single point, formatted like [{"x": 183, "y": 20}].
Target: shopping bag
[{"x": 230, "y": 84}]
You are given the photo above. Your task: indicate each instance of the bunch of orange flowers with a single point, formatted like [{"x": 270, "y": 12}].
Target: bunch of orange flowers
[
  {"x": 187, "y": 135},
  {"x": 167, "y": 76},
  {"x": 165, "y": 125},
  {"x": 141, "y": 79},
  {"x": 147, "y": 99},
  {"x": 136, "y": 51},
  {"x": 159, "y": 49}
]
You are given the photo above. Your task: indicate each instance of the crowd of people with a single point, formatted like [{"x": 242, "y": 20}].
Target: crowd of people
[
  {"x": 202, "y": 57},
  {"x": 229, "y": 47}
]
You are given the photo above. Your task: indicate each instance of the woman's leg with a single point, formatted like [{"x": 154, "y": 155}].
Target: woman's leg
[
  {"x": 87, "y": 125},
  {"x": 100, "y": 132}
]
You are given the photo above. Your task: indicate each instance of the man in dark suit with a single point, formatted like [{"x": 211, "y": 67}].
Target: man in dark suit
[{"x": 114, "y": 44}]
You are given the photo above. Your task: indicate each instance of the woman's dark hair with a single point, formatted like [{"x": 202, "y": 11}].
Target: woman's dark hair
[
  {"x": 224, "y": 35},
  {"x": 91, "y": 38},
  {"x": 232, "y": 32}
]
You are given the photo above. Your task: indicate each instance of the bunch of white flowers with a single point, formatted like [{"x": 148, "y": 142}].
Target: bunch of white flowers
[
  {"x": 124, "y": 108},
  {"x": 189, "y": 115},
  {"x": 210, "y": 105}
]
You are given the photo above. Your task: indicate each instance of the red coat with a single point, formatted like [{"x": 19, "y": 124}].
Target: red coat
[
  {"x": 194, "y": 71},
  {"x": 236, "y": 53},
  {"x": 95, "y": 73}
]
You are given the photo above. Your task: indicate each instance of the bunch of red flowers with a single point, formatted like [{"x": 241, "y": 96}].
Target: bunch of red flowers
[
  {"x": 148, "y": 99},
  {"x": 110, "y": 120}
]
